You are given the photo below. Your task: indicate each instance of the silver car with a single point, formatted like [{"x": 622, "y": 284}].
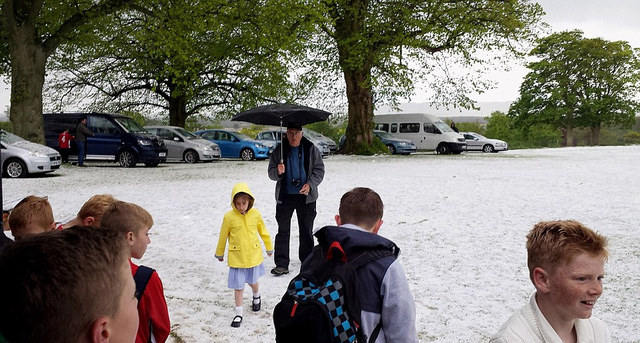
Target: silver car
[
  {"x": 183, "y": 145},
  {"x": 271, "y": 139},
  {"x": 478, "y": 142},
  {"x": 21, "y": 157}
]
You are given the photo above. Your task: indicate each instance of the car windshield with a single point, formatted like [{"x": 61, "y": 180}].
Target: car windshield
[
  {"x": 478, "y": 135},
  {"x": 9, "y": 138},
  {"x": 186, "y": 133},
  {"x": 130, "y": 125},
  {"x": 384, "y": 135},
  {"x": 443, "y": 126},
  {"x": 243, "y": 136}
]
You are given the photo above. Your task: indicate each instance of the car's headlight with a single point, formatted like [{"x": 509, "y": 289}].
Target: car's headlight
[
  {"x": 206, "y": 147},
  {"x": 261, "y": 146},
  {"x": 501, "y": 144},
  {"x": 143, "y": 141},
  {"x": 37, "y": 154},
  {"x": 402, "y": 143}
]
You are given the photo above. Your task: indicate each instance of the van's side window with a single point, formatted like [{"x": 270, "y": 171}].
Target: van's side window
[
  {"x": 409, "y": 128},
  {"x": 382, "y": 127},
  {"x": 102, "y": 125},
  {"x": 430, "y": 128},
  {"x": 394, "y": 128}
]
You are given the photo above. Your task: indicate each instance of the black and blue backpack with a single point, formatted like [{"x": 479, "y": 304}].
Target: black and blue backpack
[{"x": 321, "y": 304}]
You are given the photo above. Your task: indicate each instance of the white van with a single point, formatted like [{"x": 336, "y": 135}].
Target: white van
[{"x": 427, "y": 131}]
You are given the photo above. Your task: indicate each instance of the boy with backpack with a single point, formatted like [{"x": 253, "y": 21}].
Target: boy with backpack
[
  {"x": 134, "y": 223},
  {"x": 352, "y": 263}
]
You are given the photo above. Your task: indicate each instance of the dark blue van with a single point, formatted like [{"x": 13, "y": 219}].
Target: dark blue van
[{"x": 116, "y": 138}]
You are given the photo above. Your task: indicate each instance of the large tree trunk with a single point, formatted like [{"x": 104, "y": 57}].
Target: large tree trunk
[
  {"x": 178, "y": 111},
  {"x": 28, "y": 59},
  {"x": 595, "y": 134},
  {"x": 360, "y": 123}
]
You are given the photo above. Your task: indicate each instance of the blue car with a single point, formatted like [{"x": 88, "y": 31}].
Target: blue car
[
  {"x": 236, "y": 145},
  {"x": 396, "y": 145}
]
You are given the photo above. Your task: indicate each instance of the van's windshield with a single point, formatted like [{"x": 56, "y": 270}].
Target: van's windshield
[
  {"x": 130, "y": 125},
  {"x": 443, "y": 127}
]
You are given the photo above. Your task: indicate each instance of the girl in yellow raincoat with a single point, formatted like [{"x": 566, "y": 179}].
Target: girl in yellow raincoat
[{"x": 241, "y": 227}]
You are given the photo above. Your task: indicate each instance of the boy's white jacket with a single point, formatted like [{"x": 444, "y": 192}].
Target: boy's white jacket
[{"x": 242, "y": 230}]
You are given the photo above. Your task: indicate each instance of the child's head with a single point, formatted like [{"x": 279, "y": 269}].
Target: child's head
[
  {"x": 241, "y": 198},
  {"x": 65, "y": 286},
  {"x": 363, "y": 207},
  {"x": 131, "y": 220},
  {"x": 91, "y": 212},
  {"x": 242, "y": 202},
  {"x": 32, "y": 215},
  {"x": 555, "y": 243}
]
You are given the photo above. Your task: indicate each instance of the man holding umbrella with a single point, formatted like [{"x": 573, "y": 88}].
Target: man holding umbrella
[{"x": 297, "y": 166}]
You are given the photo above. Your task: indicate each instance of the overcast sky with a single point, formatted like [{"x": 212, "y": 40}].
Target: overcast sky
[{"x": 611, "y": 20}]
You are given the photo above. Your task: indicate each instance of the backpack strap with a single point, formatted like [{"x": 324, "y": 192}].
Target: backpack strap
[{"x": 142, "y": 277}]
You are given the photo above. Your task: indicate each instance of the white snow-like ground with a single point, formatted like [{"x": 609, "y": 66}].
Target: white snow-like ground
[{"x": 459, "y": 220}]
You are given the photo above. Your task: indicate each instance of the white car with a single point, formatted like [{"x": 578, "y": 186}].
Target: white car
[
  {"x": 21, "y": 157},
  {"x": 183, "y": 145},
  {"x": 478, "y": 142}
]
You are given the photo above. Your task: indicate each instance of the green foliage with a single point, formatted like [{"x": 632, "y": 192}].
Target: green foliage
[
  {"x": 632, "y": 137},
  {"x": 6, "y": 125},
  {"x": 253, "y": 130},
  {"x": 579, "y": 82},
  {"x": 376, "y": 148},
  {"x": 189, "y": 57},
  {"x": 325, "y": 128}
]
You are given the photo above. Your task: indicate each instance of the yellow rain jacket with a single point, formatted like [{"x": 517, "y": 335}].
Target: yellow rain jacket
[{"x": 242, "y": 230}]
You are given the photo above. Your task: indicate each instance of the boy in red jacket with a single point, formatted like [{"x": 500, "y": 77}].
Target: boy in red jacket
[
  {"x": 135, "y": 222},
  {"x": 64, "y": 141}
]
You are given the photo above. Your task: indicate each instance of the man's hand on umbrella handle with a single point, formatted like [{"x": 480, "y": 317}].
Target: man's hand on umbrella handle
[
  {"x": 280, "y": 168},
  {"x": 305, "y": 189}
]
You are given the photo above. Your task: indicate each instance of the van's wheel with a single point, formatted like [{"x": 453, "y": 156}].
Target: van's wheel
[
  {"x": 443, "y": 149},
  {"x": 190, "y": 156},
  {"x": 247, "y": 154},
  {"x": 392, "y": 149},
  {"x": 127, "y": 159},
  {"x": 488, "y": 148},
  {"x": 15, "y": 168}
]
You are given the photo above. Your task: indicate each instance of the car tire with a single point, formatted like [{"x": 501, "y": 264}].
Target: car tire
[
  {"x": 190, "y": 156},
  {"x": 127, "y": 159},
  {"x": 246, "y": 154},
  {"x": 488, "y": 148},
  {"x": 15, "y": 168},
  {"x": 392, "y": 149},
  {"x": 443, "y": 149}
]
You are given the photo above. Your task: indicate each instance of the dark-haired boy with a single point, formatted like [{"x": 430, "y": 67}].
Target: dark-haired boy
[
  {"x": 382, "y": 284},
  {"x": 68, "y": 286}
]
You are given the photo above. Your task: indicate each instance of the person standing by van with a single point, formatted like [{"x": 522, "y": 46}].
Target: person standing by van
[
  {"x": 64, "y": 142},
  {"x": 81, "y": 139},
  {"x": 454, "y": 127}
]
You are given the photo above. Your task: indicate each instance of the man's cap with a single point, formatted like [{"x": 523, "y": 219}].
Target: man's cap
[{"x": 294, "y": 125}]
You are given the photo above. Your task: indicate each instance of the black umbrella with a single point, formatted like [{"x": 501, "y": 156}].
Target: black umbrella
[{"x": 282, "y": 114}]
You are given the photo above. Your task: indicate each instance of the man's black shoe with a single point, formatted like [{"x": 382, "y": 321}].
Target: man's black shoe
[{"x": 277, "y": 271}]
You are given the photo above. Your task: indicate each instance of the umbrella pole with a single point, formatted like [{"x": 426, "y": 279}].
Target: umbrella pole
[{"x": 281, "y": 152}]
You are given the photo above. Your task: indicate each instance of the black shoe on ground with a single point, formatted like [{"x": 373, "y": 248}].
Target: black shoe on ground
[
  {"x": 237, "y": 320},
  {"x": 277, "y": 271},
  {"x": 255, "y": 306}
]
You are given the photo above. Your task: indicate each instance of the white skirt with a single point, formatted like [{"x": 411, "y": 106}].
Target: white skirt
[{"x": 239, "y": 276}]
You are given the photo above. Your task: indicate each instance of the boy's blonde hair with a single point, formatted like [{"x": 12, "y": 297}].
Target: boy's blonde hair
[
  {"x": 554, "y": 243},
  {"x": 31, "y": 209},
  {"x": 95, "y": 207},
  {"x": 125, "y": 217}
]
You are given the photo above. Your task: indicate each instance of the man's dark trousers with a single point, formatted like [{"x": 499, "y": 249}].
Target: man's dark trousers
[{"x": 306, "y": 215}]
